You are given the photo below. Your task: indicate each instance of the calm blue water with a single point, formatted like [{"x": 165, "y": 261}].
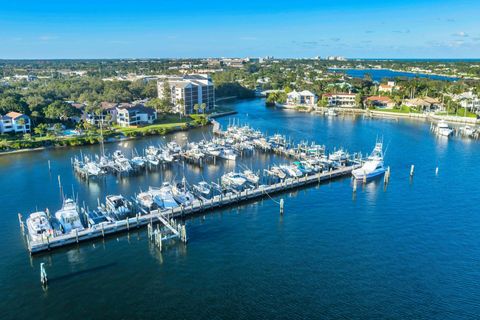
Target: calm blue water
[
  {"x": 408, "y": 251},
  {"x": 380, "y": 74}
]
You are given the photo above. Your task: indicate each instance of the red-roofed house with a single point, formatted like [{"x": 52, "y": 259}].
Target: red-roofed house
[
  {"x": 380, "y": 101},
  {"x": 14, "y": 122}
]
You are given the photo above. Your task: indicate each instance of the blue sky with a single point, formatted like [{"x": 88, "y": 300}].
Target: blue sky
[{"x": 159, "y": 29}]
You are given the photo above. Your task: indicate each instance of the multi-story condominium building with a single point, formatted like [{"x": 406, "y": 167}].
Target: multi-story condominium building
[
  {"x": 304, "y": 97},
  {"x": 187, "y": 91},
  {"x": 134, "y": 115},
  {"x": 341, "y": 100},
  {"x": 107, "y": 114},
  {"x": 15, "y": 122}
]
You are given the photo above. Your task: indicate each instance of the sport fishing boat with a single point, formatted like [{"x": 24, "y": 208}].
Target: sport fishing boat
[
  {"x": 251, "y": 177},
  {"x": 138, "y": 162},
  {"x": 118, "y": 206},
  {"x": 373, "y": 166},
  {"x": 174, "y": 147},
  {"x": 203, "y": 188},
  {"x": 38, "y": 226},
  {"x": 182, "y": 195},
  {"x": 233, "y": 179},
  {"x": 228, "y": 154},
  {"x": 292, "y": 171},
  {"x": 145, "y": 199},
  {"x": 68, "y": 216},
  {"x": 443, "y": 129},
  {"x": 163, "y": 196}
]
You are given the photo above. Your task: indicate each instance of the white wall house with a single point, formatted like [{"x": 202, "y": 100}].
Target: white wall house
[
  {"x": 341, "y": 100},
  {"x": 388, "y": 87},
  {"x": 135, "y": 115},
  {"x": 187, "y": 91},
  {"x": 15, "y": 122},
  {"x": 468, "y": 100},
  {"x": 305, "y": 98}
]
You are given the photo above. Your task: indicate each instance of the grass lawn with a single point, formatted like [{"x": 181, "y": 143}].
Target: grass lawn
[{"x": 460, "y": 113}]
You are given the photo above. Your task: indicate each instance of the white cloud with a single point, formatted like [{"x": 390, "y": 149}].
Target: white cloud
[{"x": 461, "y": 34}]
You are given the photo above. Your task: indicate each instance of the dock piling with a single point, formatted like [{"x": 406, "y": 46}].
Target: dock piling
[
  {"x": 282, "y": 202},
  {"x": 436, "y": 171},
  {"x": 412, "y": 170}
]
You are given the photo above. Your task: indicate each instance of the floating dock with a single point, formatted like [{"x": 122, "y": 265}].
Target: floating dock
[{"x": 166, "y": 217}]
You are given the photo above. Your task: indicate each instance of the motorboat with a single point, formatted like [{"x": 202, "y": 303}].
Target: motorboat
[
  {"x": 182, "y": 195},
  {"x": 68, "y": 216},
  {"x": 331, "y": 112},
  {"x": 373, "y": 166},
  {"x": 233, "y": 179},
  {"x": 202, "y": 188},
  {"x": 39, "y": 226},
  {"x": 138, "y": 162},
  {"x": 251, "y": 176},
  {"x": 163, "y": 196},
  {"x": 443, "y": 129},
  {"x": 278, "y": 172},
  {"x": 292, "y": 171},
  {"x": 174, "y": 147},
  {"x": 145, "y": 199},
  {"x": 228, "y": 154},
  {"x": 118, "y": 206}
]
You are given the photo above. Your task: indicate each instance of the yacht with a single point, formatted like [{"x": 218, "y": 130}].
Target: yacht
[
  {"x": 163, "y": 196},
  {"x": 443, "y": 129},
  {"x": 331, "y": 112},
  {"x": 182, "y": 195},
  {"x": 228, "y": 154},
  {"x": 468, "y": 130},
  {"x": 203, "y": 188},
  {"x": 38, "y": 226},
  {"x": 373, "y": 166},
  {"x": 68, "y": 216},
  {"x": 292, "y": 171},
  {"x": 138, "y": 162},
  {"x": 279, "y": 172},
  {"x": 174, "y": 147},
  {"x": 145, "y": 199},
  {"x": 118, "y": 206},
  {"x": 233, "y": 179},
  {"x": 251, "y": 177}
]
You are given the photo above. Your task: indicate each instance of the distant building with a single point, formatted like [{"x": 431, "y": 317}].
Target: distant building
[
  {"x": 128, "y": 115},
  {"x": 468, "y": 100},
  {"x": 189, "y": 90},
  {"x": 15, "y": 122},
  {"x": 388, "y": 87},
  {"x": 341, "y": 100},
  {"x": 380, "y": 101},
  {"x": 304, "y": 97}
]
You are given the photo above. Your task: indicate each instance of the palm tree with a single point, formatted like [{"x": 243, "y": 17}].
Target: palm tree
[
  {"x": 203, "y": 106},
  {"x": 196, "y": 107}
]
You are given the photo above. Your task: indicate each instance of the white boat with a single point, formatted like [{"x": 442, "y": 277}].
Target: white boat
[
  {"x": 163, "y": 196},
  {"x": 118, "y": 206},
  {"x": 174, "y": 147},
  {"x": 121, "y": 163},
  {"x": 152, "y": 159},
  {"x": 373, "y": 166},
  {"x": 233, "y": 179},
  {"x": 331, "y": 112},
  {"x": 182, "y": 195},
  {"x": 166, "y": 157},
  {"x": 292, "y": 171},
  {"x": 152, "y": 151},
  {"x": 68, "y": 216},
  {"x": 92, "y": 169},
  {"x": 443, "y": 129},
  {"x": 468, "y": 131},
  {"x": 138, "y": 161},
  {"x": 38, "y": 226},
  {"x": 228, "y": 154},
  {"x": 145, "y": 199},
  {"x": 203, "y": 188},
  {"x": 279, "y": 172},
  {"x": 251, "y": 177}
]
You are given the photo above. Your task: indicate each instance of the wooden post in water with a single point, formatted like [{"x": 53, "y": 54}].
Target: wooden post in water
[
  {"x": 412, "y": 170},
  {"x": 282, "y": 202},
  {"x": 436, "y": 171},
  {"x": 354, "y": 185},
  {"x": 183, "y": 234},
  {"x": 49, "y": 166}
]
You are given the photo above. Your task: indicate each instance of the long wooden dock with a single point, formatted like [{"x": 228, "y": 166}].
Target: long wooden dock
[{"x": 218, "y": 201}]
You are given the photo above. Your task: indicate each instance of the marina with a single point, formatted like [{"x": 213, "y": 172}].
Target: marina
[{"x": 74, "y": 224}]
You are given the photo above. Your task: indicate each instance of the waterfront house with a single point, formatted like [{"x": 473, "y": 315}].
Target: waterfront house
[
  {"x": 468, "y": 100},
  {"x": 134, "y": 115},
  {"x": 380, "y": 102},
  {"x": 302, "y": 98},
  {"x": 15, "y": 122},
  {"x": 187, "y": 91},
  {"x": 387, "y": 88},
  {"x": 426, "y": 104},
  {"x": 340, "y": 100}
]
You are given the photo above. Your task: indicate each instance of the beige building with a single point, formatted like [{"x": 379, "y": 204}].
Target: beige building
[{"x": 187, "y": 91}]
